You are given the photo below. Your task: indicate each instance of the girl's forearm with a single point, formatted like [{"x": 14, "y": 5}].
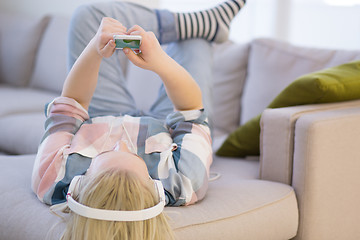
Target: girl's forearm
[
  {"x": 82, "y": 79},
  {"x": 180, "y": 86}
]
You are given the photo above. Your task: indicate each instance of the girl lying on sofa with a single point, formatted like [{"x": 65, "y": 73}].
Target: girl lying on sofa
[{"x": 115, "y": 167}]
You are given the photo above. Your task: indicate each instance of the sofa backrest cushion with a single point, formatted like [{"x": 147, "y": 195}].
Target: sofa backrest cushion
[
  {"x": 273, "y": 65},
  {"x": 229, "y": 68},
  {"x": 50, "y": 66},
  {"x": 336, "y": 84},
  {"x": 19, "y": 40}
]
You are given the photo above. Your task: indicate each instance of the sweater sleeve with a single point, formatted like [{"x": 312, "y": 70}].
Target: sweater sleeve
[
  {"x": 187, "y": 180},
  {"x": 64, "y": 117}
]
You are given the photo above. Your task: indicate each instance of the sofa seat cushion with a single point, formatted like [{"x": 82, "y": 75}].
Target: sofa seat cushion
[
  {"x": 237, "y": 205},
  {"x": 19, "y": 100},
  {"x": 21, "y": 133}
]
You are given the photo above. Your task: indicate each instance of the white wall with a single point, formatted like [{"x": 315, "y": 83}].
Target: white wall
[
  {"x": 256, "y": 19},
  {"x": 314, "y": 23},
  {"x": 61, "y": 7}
]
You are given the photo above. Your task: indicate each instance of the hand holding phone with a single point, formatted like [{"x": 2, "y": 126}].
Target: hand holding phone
[
  {"x": 127, "y": 41},
  {"x": 152, "y": 56}
]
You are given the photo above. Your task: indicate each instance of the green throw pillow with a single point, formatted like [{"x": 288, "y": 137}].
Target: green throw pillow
[{"x": 336, "y": 84}]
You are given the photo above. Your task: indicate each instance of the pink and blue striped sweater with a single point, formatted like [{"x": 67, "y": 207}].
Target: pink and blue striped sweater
[{"x": 177, "y": 151}]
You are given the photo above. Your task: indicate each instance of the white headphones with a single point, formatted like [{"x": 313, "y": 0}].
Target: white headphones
[{"x": 114, "y": 215}]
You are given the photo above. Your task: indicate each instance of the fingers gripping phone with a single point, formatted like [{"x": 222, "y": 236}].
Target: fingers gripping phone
[{"x": 127, "y": 41}]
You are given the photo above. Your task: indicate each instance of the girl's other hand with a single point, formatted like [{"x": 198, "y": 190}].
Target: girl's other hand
[
  {"x": 151, "y": 56},
  {"x": 103, "y": 40}
]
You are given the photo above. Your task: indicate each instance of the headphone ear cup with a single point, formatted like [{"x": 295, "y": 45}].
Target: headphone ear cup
[
  {"x": 74, "y": 187},
  {"x": 160, "y": 190}
]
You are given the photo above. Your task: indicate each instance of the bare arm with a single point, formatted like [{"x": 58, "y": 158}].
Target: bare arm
[
  {"x": 81, "y": 82},
  {"x": 181, "y": 88}
]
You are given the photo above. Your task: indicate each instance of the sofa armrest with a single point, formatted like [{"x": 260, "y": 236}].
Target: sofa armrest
[
  {"x": 277, "y": 137},
  {"x": 326, "y": 175},
  {"x": 321, "y": 159}
]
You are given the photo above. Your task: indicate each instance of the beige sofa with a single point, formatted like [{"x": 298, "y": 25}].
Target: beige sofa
[{"x": 304, "y": 185}]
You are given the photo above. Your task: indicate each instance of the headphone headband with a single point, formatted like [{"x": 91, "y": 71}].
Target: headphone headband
[{"x": 115, "y": 215}]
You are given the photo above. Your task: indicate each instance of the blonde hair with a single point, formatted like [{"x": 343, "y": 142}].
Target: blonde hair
[{"x": 117, "y": 190}]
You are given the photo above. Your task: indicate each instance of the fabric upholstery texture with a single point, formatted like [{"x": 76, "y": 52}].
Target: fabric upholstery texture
[
  {"x": 255, "y": 203},
  {"x": 50, "y": 66},
  {"x": 277, "y": 137},
  {"x": 244, "y": 141},
  {"x": 28, "y": 125},
  {"x": 229, "y": 67},
  {"x": 19, "y": 32},
  {"x": 273, "y": 65},
  {"x": 326, "y": 174},
  {"x": 31, "y": 100},
  {"x": 340, "y": 83}
]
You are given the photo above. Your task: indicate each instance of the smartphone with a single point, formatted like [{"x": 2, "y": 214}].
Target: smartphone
[{"x": 127, "y": 41}]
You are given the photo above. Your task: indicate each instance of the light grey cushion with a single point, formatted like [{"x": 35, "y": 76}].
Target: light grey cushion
[
  {"x": 18, "y": 100},
  {"x": 50, "y": 68},
  {"x": 273, "y": 65},
  {"x": 19, "y": 40},
  {"x": 237, "y": 206},
  {"x": 230, "y": 67},
  {"x": 21, "y": 133}
]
